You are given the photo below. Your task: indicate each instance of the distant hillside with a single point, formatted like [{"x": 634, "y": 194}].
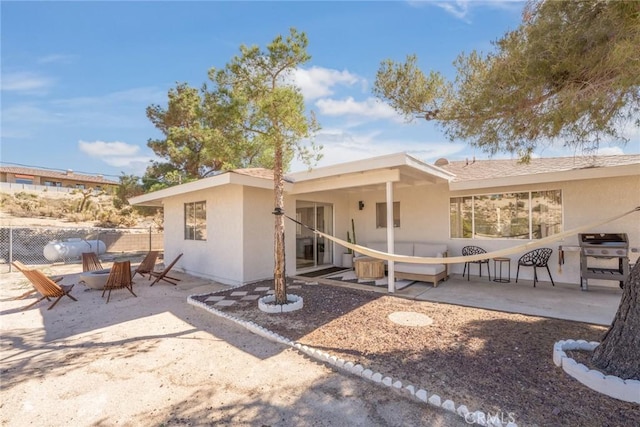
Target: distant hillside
[{"x": 63, "y": 209}]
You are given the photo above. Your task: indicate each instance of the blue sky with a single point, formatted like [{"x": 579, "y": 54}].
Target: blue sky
[{"x": 78, "y": 76}]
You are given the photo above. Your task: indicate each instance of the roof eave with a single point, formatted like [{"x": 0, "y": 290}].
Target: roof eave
[
  {"x": 156, "y": 198},
  {"x": 567, "y": 175}
]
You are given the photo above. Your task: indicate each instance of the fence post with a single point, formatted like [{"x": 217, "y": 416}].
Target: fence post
[
  {"x": 150, "y": 246},
  {"x": 10, "y": 249}
]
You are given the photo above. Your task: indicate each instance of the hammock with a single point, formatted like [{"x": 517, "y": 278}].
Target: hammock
[{"x": 459, "y": 259}]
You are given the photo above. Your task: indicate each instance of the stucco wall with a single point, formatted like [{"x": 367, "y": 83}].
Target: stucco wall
[
  {"x": 257, "y": 241},
  {"x": 220, "y": 256},
  {"x": 424, "y": 216}
]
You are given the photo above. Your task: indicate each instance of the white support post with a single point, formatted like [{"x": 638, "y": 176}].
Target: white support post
[{"x": 390, "y": 238}]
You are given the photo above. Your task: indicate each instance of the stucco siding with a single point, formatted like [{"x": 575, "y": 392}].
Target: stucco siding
[
  {"x": 220, "y": 256},
  {"x": 257, "y": 241},
  {"x": 584, "y": 202}
]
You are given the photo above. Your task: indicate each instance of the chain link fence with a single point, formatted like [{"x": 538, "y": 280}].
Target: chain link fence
[{"x": 37, "y": 246}]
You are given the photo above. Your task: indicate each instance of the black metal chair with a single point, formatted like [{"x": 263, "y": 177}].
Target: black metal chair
[
  {"x": 536, "y": 258},
  {"x": 474, "y": 250}
]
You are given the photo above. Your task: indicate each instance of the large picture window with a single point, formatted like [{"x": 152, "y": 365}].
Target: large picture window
[
  {"x": 195, "y": 221},
  {"x": 381, "y": 215},
  {"x": 523, "y": 215}
]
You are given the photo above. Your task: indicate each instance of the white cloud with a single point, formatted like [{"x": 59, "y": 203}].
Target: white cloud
[
  {"x": 318, "y": 82},
  {"x": 610, "y": 151},
  {"x": 25, "y": 82},
  {"x": 117, "y": 154},
  {"x": 340, "y": 146},
  {"x": 461, "y": 9},
  {"x": 371, "y": 108},
  {"x": 55, "y": 58},
  {"x": 108, "y": 149}
]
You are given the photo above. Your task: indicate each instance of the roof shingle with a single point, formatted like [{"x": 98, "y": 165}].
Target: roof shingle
[{"x": 488, "y": 169}]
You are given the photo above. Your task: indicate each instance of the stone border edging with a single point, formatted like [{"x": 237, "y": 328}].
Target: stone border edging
[
  {"x": 476, "y": 417},
  {"x": 295, "y": 302},
  {"x": 626, "y": 390}
]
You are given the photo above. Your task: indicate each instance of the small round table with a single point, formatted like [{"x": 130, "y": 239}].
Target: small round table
[
  {"x": 497, "y": 273},
  {"x": 369, "y": 268}
]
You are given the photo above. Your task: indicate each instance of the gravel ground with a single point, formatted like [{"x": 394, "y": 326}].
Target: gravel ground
[{"x": 496, "y": 362}]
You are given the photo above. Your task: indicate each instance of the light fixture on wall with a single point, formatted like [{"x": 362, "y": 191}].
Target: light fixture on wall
[{"x": 360, "y": 205}]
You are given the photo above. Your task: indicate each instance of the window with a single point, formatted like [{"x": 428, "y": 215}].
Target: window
[
  {"x": 381, "y": 215},
  {"x": 53, "y": 184},
  {"x": 24, "y": 179},
  {"x": 195, "y": 221},
  {"x": 525, "y": 215}
]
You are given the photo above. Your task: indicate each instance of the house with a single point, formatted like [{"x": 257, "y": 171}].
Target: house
[
  {"x": 21, "y": 178},
  {"x": 224, "y": 224}
]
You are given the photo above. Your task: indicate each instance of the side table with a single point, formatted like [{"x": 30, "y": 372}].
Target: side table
[
  {"x": 497, "y": 272},
  {"x": 369, "y": 268}
]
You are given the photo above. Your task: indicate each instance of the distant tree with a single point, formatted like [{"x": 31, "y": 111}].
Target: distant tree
[
  {"x": 571, "y": 73},
  {"x": 128, "y": 187},
  {"x": 259, "y": 101},
  {"x": 197, "y": 139},
  {"x": 85, "y": 197}
]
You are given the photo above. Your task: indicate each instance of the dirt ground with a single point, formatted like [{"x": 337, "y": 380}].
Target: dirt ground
[
  {"x": 490, "y": 361},
  {"x": 157, "y": 360}
]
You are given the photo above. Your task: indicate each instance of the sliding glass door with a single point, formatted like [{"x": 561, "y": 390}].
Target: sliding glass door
[{"x": 311, "y": 249}]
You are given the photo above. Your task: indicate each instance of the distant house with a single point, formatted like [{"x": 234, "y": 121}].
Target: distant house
[
  {"x": 21, "y": 178},
  {"x": 224, "y": 224}
]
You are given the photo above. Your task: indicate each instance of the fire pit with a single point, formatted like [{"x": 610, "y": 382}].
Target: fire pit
[{"x": 95, "y": 279}]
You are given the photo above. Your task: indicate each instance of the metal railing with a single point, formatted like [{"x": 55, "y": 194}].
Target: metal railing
[{"x": 27, "y": 244}]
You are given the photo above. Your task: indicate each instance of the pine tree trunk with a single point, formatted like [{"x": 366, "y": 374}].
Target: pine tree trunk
[
  {"x": 619, "y": 352},
  {"x": 279, "y": 273}
]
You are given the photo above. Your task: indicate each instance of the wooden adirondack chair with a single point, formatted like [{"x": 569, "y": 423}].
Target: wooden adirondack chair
[
  {"x": 90, "y": 262},
  {"x": 147, "y": 265},
  {"x": 162, "y": 275},
  {"x": 119, "y": 278},
  {"x": 46, "y": 287}
]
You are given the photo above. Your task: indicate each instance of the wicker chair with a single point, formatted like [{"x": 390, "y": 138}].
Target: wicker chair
[
  {"x": 536, "y": 258},
  {"x": 474, "y": 250}
]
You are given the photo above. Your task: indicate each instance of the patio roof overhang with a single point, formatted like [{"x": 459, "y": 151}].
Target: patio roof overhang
[{"x": 400, "y": 169}]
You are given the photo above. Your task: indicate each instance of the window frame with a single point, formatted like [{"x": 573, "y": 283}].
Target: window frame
[
  {"x": 382, "y": 207},
  {"x": 196, "y": 229},
  {"x": 537, "y": 218}
]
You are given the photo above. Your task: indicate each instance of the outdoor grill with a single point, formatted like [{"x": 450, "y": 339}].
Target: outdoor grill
[{"x": 595, "y": 248}]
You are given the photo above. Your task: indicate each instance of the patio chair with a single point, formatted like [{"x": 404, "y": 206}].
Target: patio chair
[
  {"x": 147, "y": 265},
  {"x": 90, "y": 262},
  {"x": 536, "y": 258},
  {"x": 162, "y": 275},
  {"x": 119, "y": 278},
  {"x": 21, "y": 267},
  {"x": 474, "y": 250},
  {"x": 46, "y": 287}
]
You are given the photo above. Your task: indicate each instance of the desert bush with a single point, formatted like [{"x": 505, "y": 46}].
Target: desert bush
[{"x": 99, "y": 209}]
